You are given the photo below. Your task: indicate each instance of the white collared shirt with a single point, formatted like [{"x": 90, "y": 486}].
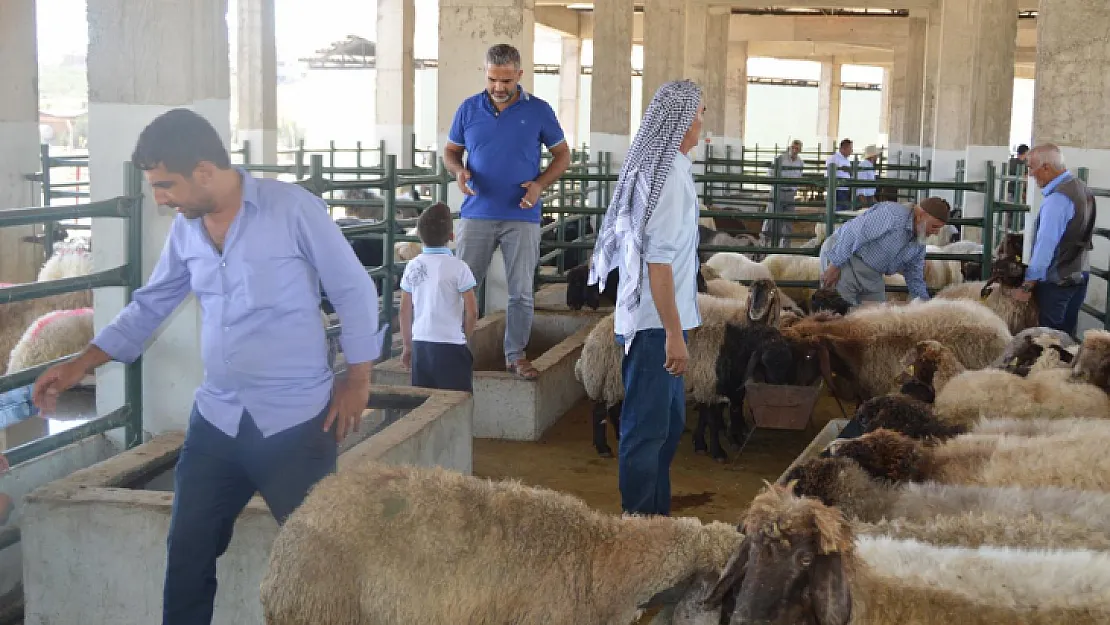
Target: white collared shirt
[
  {"x": 436, "y": 279},
  {"x": 671, "y": 236},
  {"x": 841, "y": 161},
  {"x": 866, "y": 172}
]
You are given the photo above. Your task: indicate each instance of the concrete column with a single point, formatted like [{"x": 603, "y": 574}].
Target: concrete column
[
  {"x": 256, "y": 74},
  {"x": 884, "y": 109},
  {"x": 736, "y": 101},
  {"x": 467, "y": 28},
  {"x": 828, "y": 105},
  {"x": 697, "y": 28},
  {"x": 19, "y": 136},
  {"x": 953, "y": 106},
  {"x": 932, "y": 80},
  {"x": 132, "y": 51},
  {"x": 611, "y": 95},
  {"x": 1069, "y": 109},
  {"x": 664, "y": 44},
  {"x": 908, "y": 90},
  {"x": 570, "y": 77},
  {"x": 716, "y": 50},
  {"x": 395, "y": 99}
]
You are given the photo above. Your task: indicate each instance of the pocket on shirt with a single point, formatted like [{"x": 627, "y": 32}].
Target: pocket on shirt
[
  {"x": 204, "y": 275},
  {"x": 267, "y": 280}
]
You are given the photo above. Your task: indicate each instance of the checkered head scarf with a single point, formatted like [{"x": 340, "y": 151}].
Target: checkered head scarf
[{"x": 645, "y": 170}]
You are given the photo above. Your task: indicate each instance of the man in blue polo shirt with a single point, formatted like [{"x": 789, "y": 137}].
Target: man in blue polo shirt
[{"x": 501, "y": 130}]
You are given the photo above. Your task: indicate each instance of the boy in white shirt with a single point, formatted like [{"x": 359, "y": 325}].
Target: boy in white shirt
[{"x": 438, "y": 308}]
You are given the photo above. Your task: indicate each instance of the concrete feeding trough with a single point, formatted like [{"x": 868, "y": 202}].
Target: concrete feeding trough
[
  {"x": 94, "y": 542},
  {"x": 508, "y": 407}
]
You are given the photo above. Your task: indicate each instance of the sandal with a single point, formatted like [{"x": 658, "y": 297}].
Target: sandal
[{"x": 523, "y": 369}]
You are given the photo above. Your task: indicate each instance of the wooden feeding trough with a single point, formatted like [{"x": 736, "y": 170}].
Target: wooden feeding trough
[{"x": 779, "y": 406}]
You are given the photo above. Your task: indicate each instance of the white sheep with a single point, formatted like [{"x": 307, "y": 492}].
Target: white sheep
[
  {"x": 402, "y": 545},
  {"x": 404, "y": 251},
  {"x": 54, "y": 335},
  {"x": 736, "y": 266},
  {"x": 802, "y": 560},
  {"x": 788, "y": 267},
  {"x": 965, "y": 394},
  {"x": 70, "y": 259}
]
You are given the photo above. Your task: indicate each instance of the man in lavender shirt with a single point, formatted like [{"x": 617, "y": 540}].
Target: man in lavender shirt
[{"x": 266, "y": 418}]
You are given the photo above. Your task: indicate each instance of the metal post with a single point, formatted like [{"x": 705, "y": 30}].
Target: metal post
[
  {"x": 390, "y": 193},
  {"x": 988, "y": 217},
  {"x": 48, "y": 227},
  {"x": 830, "y": 198},
  {"x": 133, "y": 373}
]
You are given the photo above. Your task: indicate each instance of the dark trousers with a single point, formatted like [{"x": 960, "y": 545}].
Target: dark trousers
[
  {"x": 653, "y": 417},
  {"x": 1060, "y": 306},
  {"x": 215, "y": 477},
  {"x": 843, "y": 202},
  {"x": 447, "y": 366}
]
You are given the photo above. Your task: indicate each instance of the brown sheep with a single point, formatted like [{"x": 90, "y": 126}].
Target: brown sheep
[
  {"x": 1065, "y": 460},
  {"x": 1007, "y": 274},
  {"x": 801, "y": 562},
  {"x": 1092, "y": 363},
  {"x": 401, "y": 545}
]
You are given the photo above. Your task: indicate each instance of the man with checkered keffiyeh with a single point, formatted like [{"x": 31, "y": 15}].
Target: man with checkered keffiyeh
[{"x": 651, "y": 230}]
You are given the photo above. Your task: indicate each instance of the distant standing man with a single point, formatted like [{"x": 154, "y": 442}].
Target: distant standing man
[
  {"x": 843, "y": 161},
  {"x": 888, "y": 239},
  {"x": 267, "y": 417},
  {"x": 650, "y": 232},
  {"x": 789, "y": 165},
  {"x": 866, "y": 196},
  {"x": 1060, "y": 265},
  {"x": 501, "y": 130}
]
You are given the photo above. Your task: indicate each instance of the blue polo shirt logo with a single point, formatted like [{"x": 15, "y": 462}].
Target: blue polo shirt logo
[{"x": 503, "y": 152}]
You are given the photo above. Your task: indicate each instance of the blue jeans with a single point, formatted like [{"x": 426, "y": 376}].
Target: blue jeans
[
  {"x": 1059, "y": 306},
  {"x": 215, "y": 477},
  {"x": 653, "y": 417}
]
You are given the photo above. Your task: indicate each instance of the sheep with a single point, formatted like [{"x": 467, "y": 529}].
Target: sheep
[
  {"x": 580, "y": 294},
  {"x": 70, "y": 259},
  {"x": 867, "y": 346},
  {"x": 801, "y": 562},
  {"x": 370, "y": 544},
  {"x": 734, "y": 266},
  {"x": 788, "y": 267},
  {"x": 963, "y": 395},
  {"x": 841, "y": 482},
  {"x": 970, "y": 270},
  {"x": 972, "y": 529},
  {"x": 599, "y": 366},
  {"x": 56, "y": 334},
  {"x": 829, "y": 299},
  {"x": 1092, "y": 363},
  {"x": 1008, "y": 274},
  {"x": 710, "y": 236},
  {"x": 1037, "y": 348},
  {"x": 906, "y": 415},
  {"x": 1053, "y": 460}
]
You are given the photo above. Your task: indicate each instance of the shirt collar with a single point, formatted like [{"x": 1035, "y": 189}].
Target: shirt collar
[
  {"x": 683, "y": 161},
  {"x": 250, "y": 187},
  {"x": 524, "y": 97},
  {"x": 1057, "y": 181},
  {"x": 438, "y": 250}
]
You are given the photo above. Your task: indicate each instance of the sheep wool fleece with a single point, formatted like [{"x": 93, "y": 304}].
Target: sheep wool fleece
[{"x": 645, "y": 171}]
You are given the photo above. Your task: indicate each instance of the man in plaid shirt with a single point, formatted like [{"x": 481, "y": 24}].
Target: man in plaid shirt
[{"x": 887, "y": 239}]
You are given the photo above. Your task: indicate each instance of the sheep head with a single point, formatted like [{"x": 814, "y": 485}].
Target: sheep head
[
  {"x": 905, "y": 415},
  {"x": 764, "y": 305},
  {"x": 839, "y": 355},
  {"x": 1092, "y": 363},
  {"x": 829, "y": 299},
  {"x": 1008, "y": 271},
  {"x": 793, "y": 566},
  {"x": 579, "y": 293},
  {"x": 924, "y": 361},
  {"x": 885, "y": 455},
  {"x": 1011, "y": 245}
]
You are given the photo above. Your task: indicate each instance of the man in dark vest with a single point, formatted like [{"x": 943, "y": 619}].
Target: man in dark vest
[{"x": 1059, "y": 266}]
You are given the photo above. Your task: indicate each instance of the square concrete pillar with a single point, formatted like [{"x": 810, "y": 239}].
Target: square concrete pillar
[
  {"x": 884, "y": 109},
  {"x": 144, "y": 59},
  {"x": 664, "y": 44},
  {"x": 932, "y": 80},
  {"x": 716, "y": 51},
  {"x": 1070, "y": 110},
  {"x": 697, "y": 25},
  {"x": 395, "y": 73},
  {"x": 907, "y": 92},
  {"x": 19, "y": 136},
  {"x": 736, "y": 97},
  {"x": 828, "y": 105},
  {"x": 570, "y": 79},
  {"x": 611, "y": 94},
  {"x": 256, "y": 76}
]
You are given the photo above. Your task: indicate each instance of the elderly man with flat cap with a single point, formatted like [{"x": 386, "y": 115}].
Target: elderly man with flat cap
[{"x": 887, "y": 239}]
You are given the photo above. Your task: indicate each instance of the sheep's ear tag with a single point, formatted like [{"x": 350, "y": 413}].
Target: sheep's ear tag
[{"x": 909, "y": 369}]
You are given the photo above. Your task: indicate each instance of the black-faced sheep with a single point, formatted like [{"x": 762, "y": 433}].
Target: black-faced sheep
[
  {"x": 801, "y": 562},
  {"x": 580, "y": 294},
  {"x": 399, "y": 545},
  {"x": 1037, "y": 348},
  {"x": 829, "y": 300},
  {"x": 1007, "y": 273},
  {"x": 866, "y": 347},
  {"x": 906, "y": 415},
  {"x": 709, "y": 236},
  {"x": 1053, "y": 460},
  {"x": 841, "y": 482},
  {"x": 964, "y": 396}
]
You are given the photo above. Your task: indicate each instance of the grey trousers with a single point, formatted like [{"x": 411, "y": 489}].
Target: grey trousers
[
  {"x": 520, "y": 245},
  {"x": 775, "y": 231},
  {"x": 858, "y": 281}
]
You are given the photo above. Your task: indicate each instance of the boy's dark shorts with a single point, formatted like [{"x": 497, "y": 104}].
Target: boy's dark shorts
[{"x": 447, "y": 366}]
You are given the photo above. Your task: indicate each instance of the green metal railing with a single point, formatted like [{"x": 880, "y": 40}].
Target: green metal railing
[
  {"x": 55, "y": 192},
  {"x": 1104, "y": 273},
  {"x": 128, "y": 276}
]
